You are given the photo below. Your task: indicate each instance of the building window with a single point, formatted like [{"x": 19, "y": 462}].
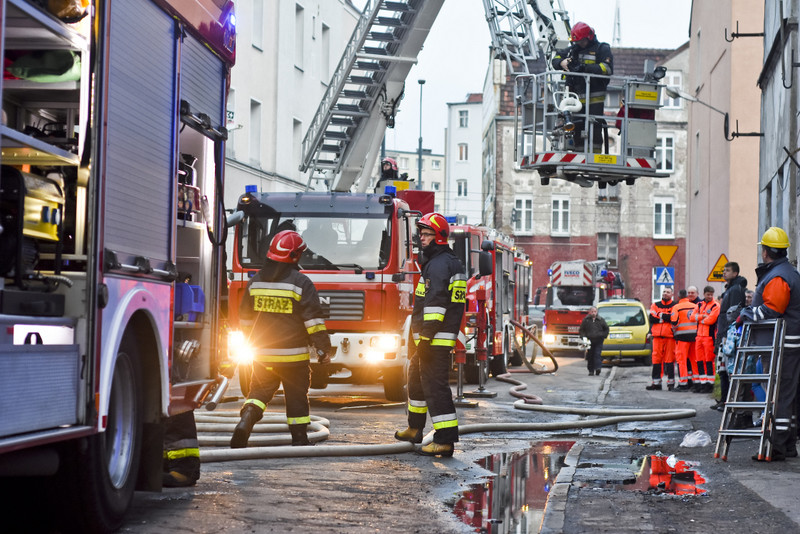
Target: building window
[
  {"x": 325, "y": 55},
  {"x": 462, "y": 188},
  {"x": 665, "y": 153},
  {"x": 255, "y": 133},
  {"x": 436, "y": 164},
  {"x": 297, "y": 136},
  {"x": 607, "y": 245},
  {"x": 523, "y": 215},
  {"x": 403, "y": 163},
  {"x": 560, "y": 225},
  {"x": 672, "y": 79},
  {"x": 462, "y": 152},
  {"x": 299, "y": 36},
  {"x": 463, "y": 118},
  {"x": 663, "y": 218},
  {"x": 258, "y": 24},
  {"x": 435, "y": 186}
]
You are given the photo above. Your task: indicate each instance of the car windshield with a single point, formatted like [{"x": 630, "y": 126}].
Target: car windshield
[{"x": 622, "y": 315}]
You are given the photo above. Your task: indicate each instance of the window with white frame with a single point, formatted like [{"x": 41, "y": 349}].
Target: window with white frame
[
  {"x": 560, "y": 219},
  {"x": 462, "y": 188},
  {"x": 463, "y": 152},
  {"x": 665, "y": 153},
  {"x": 299, "y": 36},
  {"x": 463, "y": 118},
  {"x": 403, "y": 163},
  {"x": 523, "y": 214},
  {"x": 672, "y": 79},
  {"x": 663, "y": 218},
  {"x": 436, "y": 164},
  {"x": 607, "y": 245},
  {"x": 435, "y": 186}
]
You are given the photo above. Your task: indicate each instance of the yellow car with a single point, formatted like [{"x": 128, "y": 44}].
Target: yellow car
[{"x": 628, "y": 325}]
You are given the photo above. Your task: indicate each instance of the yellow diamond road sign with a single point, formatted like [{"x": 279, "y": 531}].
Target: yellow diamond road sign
[{"x": 716, "y": 272}]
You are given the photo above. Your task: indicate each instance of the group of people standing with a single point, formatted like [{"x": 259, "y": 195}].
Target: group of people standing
[{"x": 688, "y": 333}]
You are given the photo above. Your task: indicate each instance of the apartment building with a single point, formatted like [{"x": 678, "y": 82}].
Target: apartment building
[{"x": 462, "y": 192}]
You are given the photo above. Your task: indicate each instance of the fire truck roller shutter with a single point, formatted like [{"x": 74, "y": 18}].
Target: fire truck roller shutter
[
  {"x": 198, "y": 65},
  {"x": 141, "y": 110}
]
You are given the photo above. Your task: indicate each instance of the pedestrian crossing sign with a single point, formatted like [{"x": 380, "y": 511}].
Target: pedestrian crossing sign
[{"x": 665, "y": 276}]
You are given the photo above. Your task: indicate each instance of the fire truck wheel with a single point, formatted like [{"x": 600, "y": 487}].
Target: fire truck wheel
[
  {"x": 472, "y": 371},
  {"x": 516, "y": 358},
  {"x": 497, "y": 365},
  {"x": 394, "y": 384},
  {"x": 99, "y": 472}
]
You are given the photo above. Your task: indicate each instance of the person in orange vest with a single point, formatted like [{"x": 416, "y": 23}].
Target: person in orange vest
[
  {"x": 684, "y": 331},
  {"x": 663, "y": 342},
  {"x": 706, "y": 314}
]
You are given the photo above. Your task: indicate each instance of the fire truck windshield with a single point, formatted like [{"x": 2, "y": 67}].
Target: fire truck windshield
[
  {"x": 334, "y": 242},
  {"x": 570, "y": 296}
]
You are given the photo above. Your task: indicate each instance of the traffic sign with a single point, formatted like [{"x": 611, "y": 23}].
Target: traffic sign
[
  {"x": 665, "y": 276},
  {"x": 665, "y": 252},
  {"x": 716, "y": 272}
]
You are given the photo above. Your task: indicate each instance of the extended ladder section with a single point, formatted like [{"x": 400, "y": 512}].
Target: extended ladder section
[
  {"x": 343, "y": 139},
  {"x": 510, "y": 24},
  {"x": 761, "y": 343},
  {"x": 607, "y": 150}
]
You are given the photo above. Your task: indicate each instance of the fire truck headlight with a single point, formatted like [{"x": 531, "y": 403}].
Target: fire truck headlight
[
  {"x": 239, "y": 349},
  {"x": 373, "y": 356},
  {"x": 549, "y": 339},
  {"x": 384, "y": 343}
]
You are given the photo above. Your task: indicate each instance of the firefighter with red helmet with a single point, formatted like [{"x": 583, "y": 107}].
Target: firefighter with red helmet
[
  {"x": 389, "y": 169},
  {"x": 587, "y": 55},
  {"x": 435, "y": 321},
  {"x": 285, "y": 317}
]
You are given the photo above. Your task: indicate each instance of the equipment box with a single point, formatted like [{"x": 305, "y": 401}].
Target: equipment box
[
  {"x": 190, "y": 302},
  {"x": 643, "y": 95}
]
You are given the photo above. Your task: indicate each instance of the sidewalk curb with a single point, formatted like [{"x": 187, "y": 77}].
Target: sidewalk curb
[{"x": 555, "y": 509}]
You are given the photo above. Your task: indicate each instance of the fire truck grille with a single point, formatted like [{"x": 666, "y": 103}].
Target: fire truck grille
[{"x": 343, "y": 305}]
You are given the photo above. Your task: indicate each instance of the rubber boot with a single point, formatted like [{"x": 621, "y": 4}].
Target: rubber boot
[
  {"x": 251, "y": 414},
  {"x": 299, "y": 435},
  {"x": 444, "y": 450},
  {"x": 412, "y": 435}
]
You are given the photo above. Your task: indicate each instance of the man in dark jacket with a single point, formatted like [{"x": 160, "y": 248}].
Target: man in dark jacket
[
  {"x": 586, "y": 55},
  {"x": 595, "y": 329},
  {"x": 435, "y": 322},
  {"x": 734, "y": 295},
  {"x": 284, "y": 314}
]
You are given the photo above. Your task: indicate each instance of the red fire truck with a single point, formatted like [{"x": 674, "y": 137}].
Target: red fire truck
[
  {"x": 574, "y": 287},
  {"x": 113, "y": 225},
  {"x": 507, "y": 291},
  {"x": 361, "y": 259}
]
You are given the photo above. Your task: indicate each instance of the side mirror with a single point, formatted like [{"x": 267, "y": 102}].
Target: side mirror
[
  {"x": 234, "y": 218},
  {"x": 487, "y": 245},
  {"x": 485, "y": 266}
]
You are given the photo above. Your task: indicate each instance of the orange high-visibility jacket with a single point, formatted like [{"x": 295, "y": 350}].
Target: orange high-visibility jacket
[
  {"x": 706, "y": 315},
  {"x": 685, "y": 329},
  {"x": 660, "y": 318}
]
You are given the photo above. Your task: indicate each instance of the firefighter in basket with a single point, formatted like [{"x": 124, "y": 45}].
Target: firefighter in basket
[
  {"x": 283, "y": 311},
  {"x": 438, "y": 308}
]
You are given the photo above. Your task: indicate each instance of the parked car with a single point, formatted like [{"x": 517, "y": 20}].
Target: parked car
[{"x": 628, "y": 326}]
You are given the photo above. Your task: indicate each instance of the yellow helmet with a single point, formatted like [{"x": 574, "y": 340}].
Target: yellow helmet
[{"x": 774, "y": 237}]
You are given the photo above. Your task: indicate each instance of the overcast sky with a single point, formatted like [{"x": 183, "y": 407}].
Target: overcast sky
[{"x": 455, "y": 57}]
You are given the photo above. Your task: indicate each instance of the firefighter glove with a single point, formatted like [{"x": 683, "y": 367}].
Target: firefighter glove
[
  {"x": 424, "y": 345},
  {"x": 323, "y": 357}
]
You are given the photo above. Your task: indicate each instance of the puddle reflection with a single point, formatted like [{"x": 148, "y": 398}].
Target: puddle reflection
[{"x": 513, "y": 499}]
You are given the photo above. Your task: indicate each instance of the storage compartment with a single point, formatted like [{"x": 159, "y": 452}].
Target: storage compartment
[{"x": 190, "y": 302}]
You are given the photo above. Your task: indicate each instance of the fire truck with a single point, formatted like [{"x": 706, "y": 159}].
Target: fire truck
[
  {"x": 113, "y": 228},
  {"x": 361, "y": 258},
  {"x": 507, "y": 291},
  {"x": 574, "y": 287}
]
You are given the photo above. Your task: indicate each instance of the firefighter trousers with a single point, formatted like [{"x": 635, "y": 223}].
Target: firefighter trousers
[
  {"x": 704, "y": 354},
  {"x": 181, "y": 447},
  {"x": 663, "y": 360},
  {"x": 787, "y": 393},
  {"x": 429, "y": 392},
  {"x": 296, "y": 379}
]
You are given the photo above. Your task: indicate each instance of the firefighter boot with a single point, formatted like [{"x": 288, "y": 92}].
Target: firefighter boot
[
  {"x": 299, "y": 435},
  {"x": 251, "y": 414},
  {"x": 444, "y": 450},
  {"x": 412, "y": 435}
]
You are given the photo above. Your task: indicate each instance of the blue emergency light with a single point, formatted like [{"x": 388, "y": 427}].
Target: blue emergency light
[
  {"x": 390, "y": 190},
  {"x": 451, "y": 219},
  {"x": 251, "y": 189}
]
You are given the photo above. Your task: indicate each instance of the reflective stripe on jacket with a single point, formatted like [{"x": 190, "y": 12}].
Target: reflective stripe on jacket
[
  {"x": 440, "y": 297},
  {"x": 778, "y": 287},
  {"x": 685, "y": 329},
  {"x": 661, "y": 327},
  {"x": 706, "y": 315}
]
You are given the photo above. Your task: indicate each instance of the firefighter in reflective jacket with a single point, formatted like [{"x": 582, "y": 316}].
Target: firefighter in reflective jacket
[
  {"x": 706, "y": 314},
  {"x": 663, "y": 342},
  {"x": 438, "y": 308},
  {"x": 685, "y": 332},
  {"x": 586, "y": 55},
  {"x": 778, "y": 295},
  {"x": 284, "y": 312}
]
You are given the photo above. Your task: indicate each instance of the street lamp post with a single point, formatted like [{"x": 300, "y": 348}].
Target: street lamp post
[
  {"x": 419, "y": 154},
  {"x": 674, "y": 92}
]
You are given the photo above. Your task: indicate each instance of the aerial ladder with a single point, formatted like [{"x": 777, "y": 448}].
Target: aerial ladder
[{"x": 344, "y": 137}]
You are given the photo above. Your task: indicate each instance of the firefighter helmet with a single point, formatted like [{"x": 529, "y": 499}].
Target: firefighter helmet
[
  {"x": 286, "y": 247},
  {"x": 775, "y": 237},
  {"x": 581, "y": 31},
  {"x": 439, "y": 225},
  {"x": 391, "y": 162}
]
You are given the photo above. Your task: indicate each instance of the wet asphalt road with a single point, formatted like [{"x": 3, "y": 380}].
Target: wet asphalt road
[{"x": 409, "y": 493}]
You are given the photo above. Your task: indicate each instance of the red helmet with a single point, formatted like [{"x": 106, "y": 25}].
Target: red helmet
[
  {"x": 286, "y": 247},
  {"x": 391, "y": 162},
  {"x": 437, "y": 223},
  {"x": 580, "y": 31}
]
